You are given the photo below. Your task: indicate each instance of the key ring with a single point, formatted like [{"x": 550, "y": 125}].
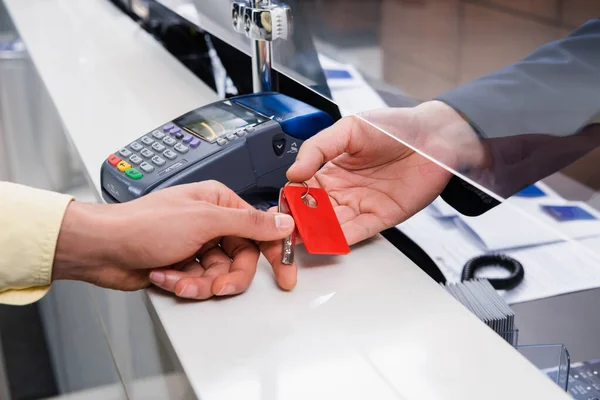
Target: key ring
[{"x": 305, "y": 185}]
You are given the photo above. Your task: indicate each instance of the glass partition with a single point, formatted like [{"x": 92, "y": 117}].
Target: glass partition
[
  {"x": 506, "y": 93},
  {"x": 484, "y": 116}
]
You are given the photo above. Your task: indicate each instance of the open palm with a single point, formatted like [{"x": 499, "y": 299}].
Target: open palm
[
  {"x": 374, "y": 181},
  {"x": 377, "y": 183}
]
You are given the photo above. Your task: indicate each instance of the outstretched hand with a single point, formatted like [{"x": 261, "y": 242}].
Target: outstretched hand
[{"x": 374, "y": 181}]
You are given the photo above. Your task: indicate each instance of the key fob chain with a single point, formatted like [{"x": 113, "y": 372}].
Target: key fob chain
[{"x": 316, "y": 220}]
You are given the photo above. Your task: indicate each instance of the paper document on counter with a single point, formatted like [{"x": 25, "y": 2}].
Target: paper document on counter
[
  {"x": 550, "y": 270},
  {"x": 523, "y": 223},
  {"x": 524, "y": 220}
]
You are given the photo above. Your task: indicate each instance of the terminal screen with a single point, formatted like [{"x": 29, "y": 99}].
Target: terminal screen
[{"x": 217, "y": 120}]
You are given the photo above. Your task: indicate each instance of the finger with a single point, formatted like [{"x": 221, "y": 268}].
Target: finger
[
  {"x": 298, "y": 239},
  {"x": 247, "y": 223},
  {"x": 323, "y": 147},
  {"x": 243, "y": 267},
  {"x": 171, "y": 280},
  {"x": 211, "y": 244},
  {"x": 166, "y": 278},
  {"x": 285, "y": 275},
  {"x": 214, "y": 263}
]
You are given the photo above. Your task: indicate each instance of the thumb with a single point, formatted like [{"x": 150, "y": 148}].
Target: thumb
[
  {"x": 323, "y": 147},
  {"x": 252, "y": 224}
]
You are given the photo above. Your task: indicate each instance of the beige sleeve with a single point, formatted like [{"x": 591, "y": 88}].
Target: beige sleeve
[{"x": 30, "y": 220}]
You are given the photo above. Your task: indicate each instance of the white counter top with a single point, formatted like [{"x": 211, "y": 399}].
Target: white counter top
[{"x": 370, "y": 325}]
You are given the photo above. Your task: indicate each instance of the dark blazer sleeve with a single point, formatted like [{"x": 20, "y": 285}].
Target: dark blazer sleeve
[{"x": 531, "y": 115}]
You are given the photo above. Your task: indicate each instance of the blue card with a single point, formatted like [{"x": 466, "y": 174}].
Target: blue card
[
  {"x": 568, "y": 213},
  {"x": 337, "y": 74},
  {"x": 531, "y": 191}
]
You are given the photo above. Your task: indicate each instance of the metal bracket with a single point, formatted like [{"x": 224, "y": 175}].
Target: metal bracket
[{"x": 263, "y": 22}]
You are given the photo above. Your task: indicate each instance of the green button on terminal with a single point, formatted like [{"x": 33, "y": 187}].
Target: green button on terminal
[{"x": 134, "y": 173}]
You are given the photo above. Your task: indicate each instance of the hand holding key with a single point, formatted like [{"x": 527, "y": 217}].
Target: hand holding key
[
  {"x": 192, "y": 240},
  {"x": 373, "y": 181}
]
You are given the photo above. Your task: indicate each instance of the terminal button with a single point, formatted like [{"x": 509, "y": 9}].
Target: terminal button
[
  {"x": 168, "y": 127},
  {"x": 158, "y": 146},
  {"x": 136, "y": 146},
  {"x": 146, "y": 167},
  {"x": 174, "y": 131},
  {"x": 124, "y": 152},
  {"x": 187, "y": 138},
  {"x": 123, "y": 166},
  {"x": 134, "y": 174},
  {"x": 240, "y": 132},
  {"x": 135, "y": 159},
  {"x": 169, "y": 141},
  {"x": 113, "y": 160},
  {"x": 195, "y": 142},
  {"x": 158, "y": 135},
  {"x": 181, "y": 148},
  {"x": 178, "y": 135},
  {"x": 147, "y": 141},
  {"x": 221, "y": 142},
  {"x": 147, "y": 153},
  {"x": 250, "y": 129},
  {"x": 158, "y": 161},
  {"x": 231, "y": 136},
  {"x": 278, "y": 146},
  {"x": 169, "y": 154}
]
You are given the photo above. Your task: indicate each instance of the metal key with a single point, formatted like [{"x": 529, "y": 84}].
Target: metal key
[{"x": 289, "y": 242}]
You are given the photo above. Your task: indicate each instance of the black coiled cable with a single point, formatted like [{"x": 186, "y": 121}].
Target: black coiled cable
[{"x": 517, "y": 273}]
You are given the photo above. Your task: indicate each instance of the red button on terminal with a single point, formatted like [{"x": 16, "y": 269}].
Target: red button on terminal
[{"x": 113, "y": 160}]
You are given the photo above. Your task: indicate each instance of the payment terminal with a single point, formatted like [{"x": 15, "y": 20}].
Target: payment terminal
[{"x": 246, "y": 142}]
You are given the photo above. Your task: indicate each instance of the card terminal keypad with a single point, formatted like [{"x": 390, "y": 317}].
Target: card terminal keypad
[
  {"x": 160, "y": 148},
  {"x": 157, "y": 153}
]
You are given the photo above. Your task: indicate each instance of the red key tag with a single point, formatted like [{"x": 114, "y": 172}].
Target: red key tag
[{"x": 317, "y": 223}]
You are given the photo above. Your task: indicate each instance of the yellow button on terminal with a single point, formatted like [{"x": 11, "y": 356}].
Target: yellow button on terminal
[{"x": 123, "y": 166}]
